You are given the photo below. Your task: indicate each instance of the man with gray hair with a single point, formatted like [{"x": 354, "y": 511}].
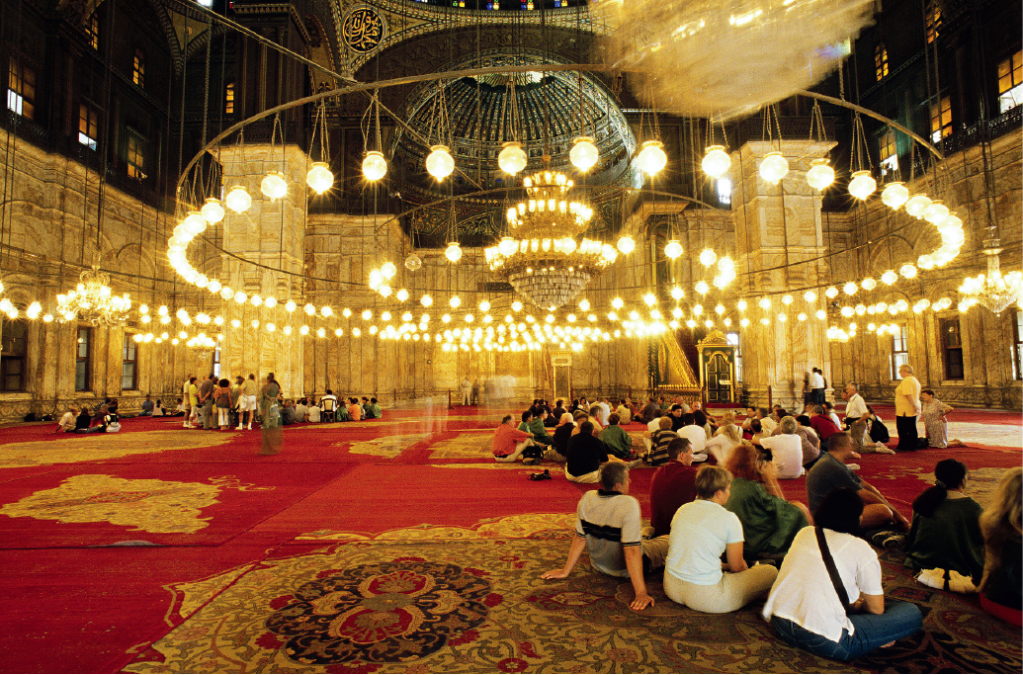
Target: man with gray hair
[
  {"x": 608, "y": 524},
  {"x": 855, "y": 406}
]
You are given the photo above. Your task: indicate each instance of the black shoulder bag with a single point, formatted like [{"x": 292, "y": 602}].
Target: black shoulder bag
[{"x": 829, "y": 563}]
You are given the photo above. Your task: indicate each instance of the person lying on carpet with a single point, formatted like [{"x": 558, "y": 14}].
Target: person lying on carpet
[
  {"x": 509, "y": 443},
  {"x": 828, "y": 597},
  {"x": 673, "y": 485},
  {"x": 831, "y": 473},
  {"x": 701, "y": 532},
  {"x": 946, "y": 526},
  {"x": 769, "y": 523},
  {"x": 609, "y": 525},
  {"x": 1002, "y": 525},
  {"x": 67, "y": 421}
]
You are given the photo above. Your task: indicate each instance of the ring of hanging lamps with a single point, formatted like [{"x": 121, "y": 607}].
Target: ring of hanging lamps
[
  {"x": 273, "y": 185},
  {"x": 820, "y": 175},
  {"x": 584, "y": 153},
  {"x": 212, "y": 211},
  {"x": 716, "y": 161},
  {"x": 319, "y": 179},
  {"x": 440, "y": 163},
  {"x": 651, "y": 157},
  {"x": 512, "y": 158},
  {"x": 374, "y": 166},
  {"x": 862, "y": 184},
  {"x": 453, "y": 252},
  {"x": 774, "y": 167},
  {"x": 894, "y": 195},
  {"x": 626, "y": 244},
  {"x": 238, "y": 199}
]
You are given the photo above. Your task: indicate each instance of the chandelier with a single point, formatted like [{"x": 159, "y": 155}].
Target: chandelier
[
  {"x": 541, "y": 257},
  {"x": 94, "y": 301},
  {"x": 202, "y": 345},
  {"x": 993, "y": 290}
]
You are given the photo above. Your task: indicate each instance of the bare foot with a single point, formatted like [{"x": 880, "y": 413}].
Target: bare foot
[{"x": 890, "y": 644}]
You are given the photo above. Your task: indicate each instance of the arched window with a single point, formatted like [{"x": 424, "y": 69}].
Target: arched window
[{"x": 880, "y": 61}]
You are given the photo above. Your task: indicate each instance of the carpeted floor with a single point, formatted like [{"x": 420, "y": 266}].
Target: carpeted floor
[{"x": 390, "y": 546}]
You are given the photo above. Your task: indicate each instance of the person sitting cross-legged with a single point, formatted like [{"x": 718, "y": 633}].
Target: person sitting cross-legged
[
  {"x": 509, "y": 443},
  {"x": 585, "y": 454},
  {"x": 536, "y": 426},
  {"x": 701, "y": 532},
  {"x": 616, "y": 439},
  {"x": 673, "y": 485},
  {"x": 608, "y": 524},
  {"x": 806, "y": 606},
  {"x": 659, "y": 441}
]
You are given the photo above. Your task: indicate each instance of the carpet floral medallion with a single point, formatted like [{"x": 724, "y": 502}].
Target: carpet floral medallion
[
  {"x": 144, "y": 505},
  {"x": 91, "y": 447},
  {"x": 435, "y": 600},
  {"x": 466, "y": 445},
  {"x": 388, "y": 446}
]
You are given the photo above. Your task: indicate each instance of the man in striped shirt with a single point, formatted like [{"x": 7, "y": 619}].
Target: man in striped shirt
[{"x": 608, "y": 524}]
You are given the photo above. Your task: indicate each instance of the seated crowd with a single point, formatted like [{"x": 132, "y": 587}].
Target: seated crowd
[{"x": 724, "y": 534}]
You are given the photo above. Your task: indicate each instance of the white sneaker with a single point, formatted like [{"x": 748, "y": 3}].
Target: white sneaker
[
  {"x": 240, "y": 428},
  {"x": 250, "y": 427}
]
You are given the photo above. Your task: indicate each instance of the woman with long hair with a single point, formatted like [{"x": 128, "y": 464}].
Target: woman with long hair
[
  {"x": 769, "y": 523},
  {"x": 946, "y": 528},
  {"x": 1000, "y": 588}
]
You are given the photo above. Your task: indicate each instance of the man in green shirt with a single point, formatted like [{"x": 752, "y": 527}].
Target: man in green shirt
[
  {"x": 617, "y": 440},
  {"x": 535, "y": 426},
  {"x": 373, "y": 410}
]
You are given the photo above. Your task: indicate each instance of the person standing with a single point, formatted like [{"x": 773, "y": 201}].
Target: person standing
[
  {"x": 222, "y": 399},
  {"x": 466, "y": 387},
  {"x": 907, "y": 408},
  {"x": 270, "y": 412},
  {"x": 193, "y": 404},
  {"x": 817, "y": 386},
  {"x": 247, "y": 401},
  {"x": 206, "y": 401},
  {"x": 185, "y": 398}
]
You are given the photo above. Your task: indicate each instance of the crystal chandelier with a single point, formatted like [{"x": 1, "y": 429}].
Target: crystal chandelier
[
  {"x": 541, "y": 257},
  {"x": 93, "y": 301},
  {"x": 993, "y": 290}
]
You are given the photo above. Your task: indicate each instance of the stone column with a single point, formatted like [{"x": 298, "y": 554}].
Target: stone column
[
  {"x": 776, "y": 226},
  {"x": 270, "y": 233}
]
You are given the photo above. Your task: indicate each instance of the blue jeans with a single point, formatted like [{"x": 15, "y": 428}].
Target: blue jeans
[{"x": 900, "y": 619}]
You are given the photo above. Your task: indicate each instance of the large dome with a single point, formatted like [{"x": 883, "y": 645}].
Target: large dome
[{"x": 480, "y": 111}]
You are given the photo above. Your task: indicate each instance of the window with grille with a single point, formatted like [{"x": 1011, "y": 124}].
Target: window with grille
[
  {"x": 136, "y": 158},
  {"x": 138, "y": 69},
  {"x": 941, "y": 119},
  {"x": 900, "y": 351},
  {"x": 1017, "y": 346},
  {"x": 952, "y": 348},
  {"x": 880, "y": 61},
  {"x": 21, "y": 89},
  {"x": 88, "y": 126},
  {"x": 1010, "y": 82},
  {"x": 83, "y": 359},
  {"x": 932, "y": 21},
  {"x": 129, "y": 364},
  {"x": 13, "y": 347},
  {"x": 92, "y": 31},
  {"x": 229, "y": 98},
  {"x": 723, "y": 188},
  {"x": 889, "y": 153}
]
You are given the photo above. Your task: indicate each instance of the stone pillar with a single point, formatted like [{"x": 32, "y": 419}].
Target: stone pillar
[
  {"x": 776, "y": 226},
  {"x": 270, "y": 233}
]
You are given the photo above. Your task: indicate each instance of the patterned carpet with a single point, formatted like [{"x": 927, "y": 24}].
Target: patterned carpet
[
  {"x": 408, "y": 602},
  {"x": 386, "y": 546}
]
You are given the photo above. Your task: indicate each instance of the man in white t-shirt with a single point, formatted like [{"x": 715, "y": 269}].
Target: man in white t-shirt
[
  {"x": 312, "y": 413},
  {"x": 786, "y": 448},
  {"x": 301, "y": 410},
  {"x": 696, "y": 435},
  {"x": 767, "y": 425},
  {"x": 817, "y": 386},
  {"x": 855, "y": 406},
  {"x": 609, "y": 525}
]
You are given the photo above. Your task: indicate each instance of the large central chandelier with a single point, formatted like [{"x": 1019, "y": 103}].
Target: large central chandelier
[
  {"x": 541, "y": 257},
  {"x": 993, "y": 290},
  {"x": 94, "y": 301}
]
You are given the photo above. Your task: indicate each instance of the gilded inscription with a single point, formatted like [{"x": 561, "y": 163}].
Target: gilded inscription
[{"x": 363, "y": 29}]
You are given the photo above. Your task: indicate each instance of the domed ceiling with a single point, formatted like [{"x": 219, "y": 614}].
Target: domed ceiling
[{"x": 480, "y": 111}]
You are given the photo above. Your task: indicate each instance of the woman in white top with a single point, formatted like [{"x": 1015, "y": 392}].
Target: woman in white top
[
  {"x": 804, "y": 605},
  {"x": 700, "y": 532},
  {"x": 726, "y": 439}
]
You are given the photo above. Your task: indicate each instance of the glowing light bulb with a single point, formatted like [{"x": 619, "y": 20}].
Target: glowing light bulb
[
  {"x": 319, "y": 178},
  {"x": 238, "y": 199},
  {"x": 212, "y": 211},
  {"x": 401, "y": 295},
  {"x": 832, "y": 292},
  {"x": 626, "y": 244},
  {"x": 194, "y": 223},
  {"x": 673, "y": 249},
  {"x": 820, "y": 175},
  {"x": 889, "y": 277},
  {"x": 374, "y": 166},
  {"x": 708, "y": 257},
  {"x": 774, "y": 167},
  {"x": 716, "y": 161},
  {"x": 512, "y": 158},
  {"x": 936, "y": 212},
  {"x": 584, "y": 153},
  {"x": 868, "y": 284},
  {"x": 651, "y": 158},
  {"x": 426, "y": 301},
  {"x": 516, "y": 306},
  {"x": 908, "y": 271},
  {"x": 917, "y": 205},
  {"x": 862, "y": 185},
  {"x": 388, "y": 270},
  {"x": 440, "y": 163},
  {"x": 273, "y": 185},
  {"x": 894, "y": 195},
  {"x": 455, "y": 302},
  {"x": 453, "y": 252}
]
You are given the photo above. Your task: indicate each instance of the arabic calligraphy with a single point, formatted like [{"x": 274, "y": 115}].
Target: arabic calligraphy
[{"x": 363, "y": 29}]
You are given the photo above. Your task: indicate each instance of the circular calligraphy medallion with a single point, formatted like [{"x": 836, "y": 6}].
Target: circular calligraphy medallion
[{"x": 362, "y": 29}]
